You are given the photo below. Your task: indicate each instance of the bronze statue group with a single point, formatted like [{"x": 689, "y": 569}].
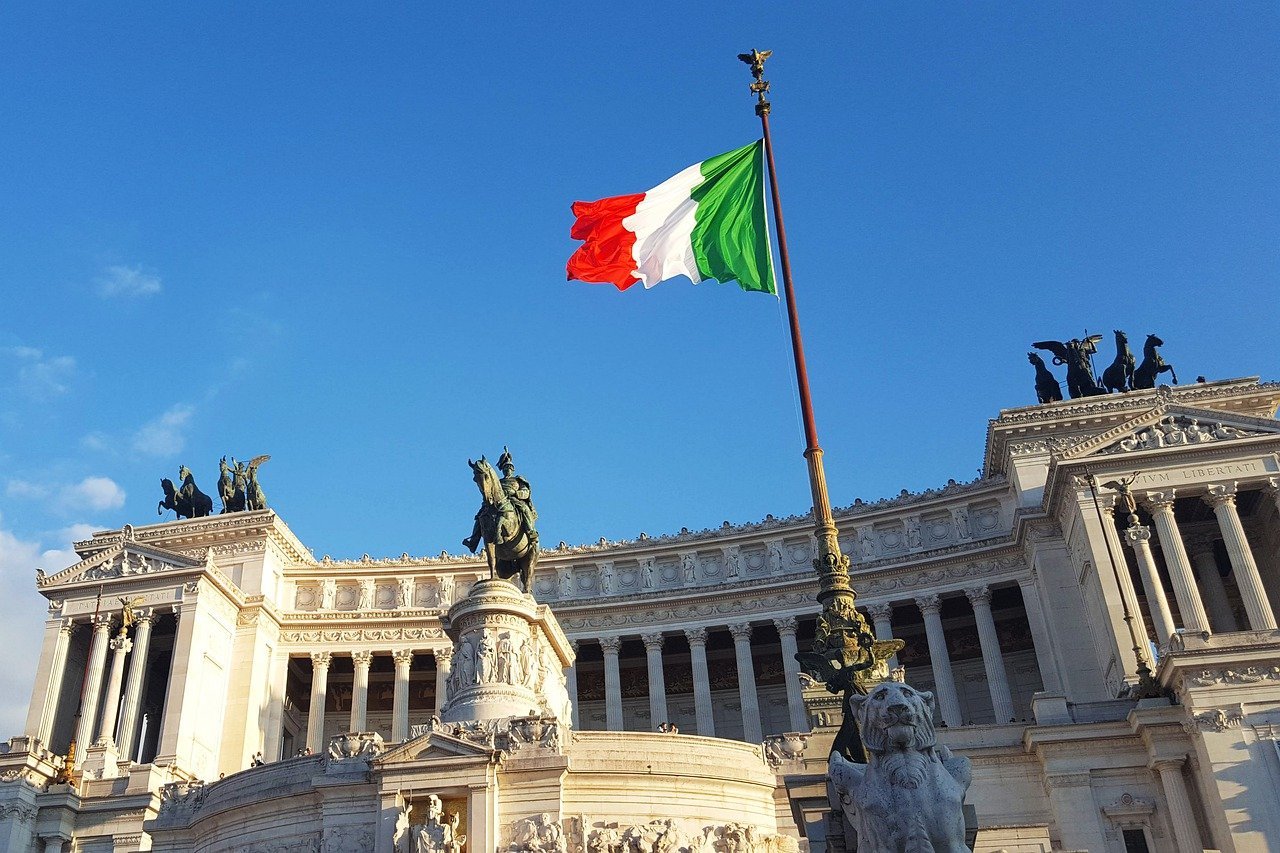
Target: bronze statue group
[
  {"x": 238, "y": 489},
  {"x": 1124, "y": 374}
]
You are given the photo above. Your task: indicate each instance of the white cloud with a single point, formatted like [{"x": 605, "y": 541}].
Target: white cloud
[
  {"x": 22, "y": 628},
  {"x": 127, "y": 281},
  {"x": 25, "y": 489},
  {"x": 164, "y": 436},
  {"x": 95, "y": 493},
  {"x": 40, "y": 375}
]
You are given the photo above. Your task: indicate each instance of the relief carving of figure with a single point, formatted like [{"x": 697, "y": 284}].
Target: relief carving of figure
[
  {"x": 445, "y": 585},
  {"x": 405, "y": 590},
  {"x": 867, "y": 543},
  {"x": 465, "y": 667},
  {"x": 502, "y": 664},
  {"x": 365, "y": 601},
  {"x": 689, "y": 564},
  {"x": 484, "y": 659},
  {"x": 529, "y": 663},
  {"x": 565, "y": 578},
  {"x": 913, "y": 532},
  {"x": 434, "y": 835},
  {"x": 732, "y": 562},
  {"x": 777, "y": 560},
  {"x": 606, "y": 578},
  {"x": 961, "y": 516},
  {"x": 328, "y": 594},
  {"x": 646, "y": 572}
]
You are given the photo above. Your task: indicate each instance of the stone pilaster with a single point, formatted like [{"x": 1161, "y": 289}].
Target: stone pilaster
[
  {"x": 319, "y": 692},
  {"x": 360, "y": 661},
  {"x": 882, "y": 619},
  {"x": 657, "y": 679},
  {"x": 400, "y": 696},
  {"x": 612, "y": 683},
  {"x": 944, "y": 683},
  {"x": 1031, "y": 603},
  {"x": 1252, "y": 593},
  {"x": 1138, "y": 538},
  {"x": 1185, "y": 832},
  {"x": 1175, "y": 558},
  {"x": 134, "y": 683},
  {"x": 751, "y": 730},
  {"x": 992, "y": 657},
  {"x": 444, "y": 669},
  {"x": 93, "y": 684},
  {"x": 48, "y": 687},
  {"x": 701, "y": 681},
  {"x": 571, "y": 681},
  {"x": 796, "y": 714}
]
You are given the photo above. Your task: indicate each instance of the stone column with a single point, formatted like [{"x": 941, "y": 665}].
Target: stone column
[
  {"x": 319, "y": 691},
  {"x": 1254, "y": 596},
  {"x": 1138, "y": 536},
  {"x": 1127, "y": 592},
  {"x": 53, "y": 689},
  {"x": 944, "y": 683},
  {"x": 701, "y": 681},
  {"x": 400, "y": 698},
  {"x": 92, "y": 685},
  {"x": 1185, "y": 832},
  {"x": 444, "y": 667},
  {"x": 360, "y": 661},
  {"x": 881, "y": 617},
  {"x": 751, "y": 732},
  {"x": 53, "y": 843},
  {"x": 612, "y": 684},
  {"x": 571, "y": 681},
  {"x": 657, "y": 679},
  {"x": 992, "y": 657},
  {"x": 1200, "y": 549},
  {"x": 799, "y": 719},
  {"x": 121, "y": 645},
  {"x": 1175, "y": 557},
  {"x": 1049, "y": 676},
  {"x": 133, "y": 683}
]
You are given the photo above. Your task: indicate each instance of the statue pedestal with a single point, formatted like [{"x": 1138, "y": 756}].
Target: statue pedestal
[
  {"x": 101, "y": 761},
  {"x": 509, "y": 656}
]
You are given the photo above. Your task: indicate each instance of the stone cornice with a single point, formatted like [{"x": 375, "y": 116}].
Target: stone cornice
[
  {"x": 1247, "y": 397},
  {"x": 194, "y": 534}
]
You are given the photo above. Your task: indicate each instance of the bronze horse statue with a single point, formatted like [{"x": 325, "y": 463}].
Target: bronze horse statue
[
  {"x": 187, "y": 501},
  {"x": 1119, "y": 376},
  {"x": 1047, "y": 388},
  {"x": 1152, "y": 365},
  {"x": 509, "y": 547}
]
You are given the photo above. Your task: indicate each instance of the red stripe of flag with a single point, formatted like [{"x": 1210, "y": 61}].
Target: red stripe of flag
[{"x": 606, "y": 255}]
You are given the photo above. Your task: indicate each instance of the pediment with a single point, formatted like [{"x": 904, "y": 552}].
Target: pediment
[
  {"x": 435, "y": 746},
  {"x": 1171, "y": 426},
  {"x": 124, "y": 560}
]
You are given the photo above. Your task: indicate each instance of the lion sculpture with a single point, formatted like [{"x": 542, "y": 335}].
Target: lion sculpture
[{"x": 909, "y": 796}]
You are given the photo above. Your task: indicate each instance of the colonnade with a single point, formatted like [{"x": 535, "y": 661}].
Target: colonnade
[
  {"x": 362, "y": 660},
  {"x": 108, "y": 718},
  {"x": 1202, "y": 601}
]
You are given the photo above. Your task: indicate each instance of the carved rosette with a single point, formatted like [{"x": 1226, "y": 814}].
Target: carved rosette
[{"x": 506, "y": 661}]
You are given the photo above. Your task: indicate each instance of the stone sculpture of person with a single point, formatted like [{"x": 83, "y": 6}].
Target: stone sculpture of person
[
  {"x": 565, "y": 577},
  {"x": 777, "y": 560},
  {"x": 606, "y": 578},
  {"x": 404, "y": 592},
  {"x": 689, "y": 564},
  {"x": 646, "y": 573},
  {"x": 465, "y": 668},
  {"x": 365, "y": 601},
  {"x": 446, "y": 590},
  {"x": 432, "y": 835},
  {"x": 484, "y": 659},
  {"x": 732, "y": 562},
  {"x": 328, "y": 594},
  {"x": 502, "y": 664}
]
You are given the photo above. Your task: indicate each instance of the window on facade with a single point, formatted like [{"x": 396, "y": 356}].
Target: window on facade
[{"x": 1135, "y": 841}]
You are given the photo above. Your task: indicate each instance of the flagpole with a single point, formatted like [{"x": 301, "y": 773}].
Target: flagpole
[{"x": 845, "y": 650}]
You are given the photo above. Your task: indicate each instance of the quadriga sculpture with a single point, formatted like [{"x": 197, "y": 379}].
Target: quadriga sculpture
[{"x": 909, "y": 796}]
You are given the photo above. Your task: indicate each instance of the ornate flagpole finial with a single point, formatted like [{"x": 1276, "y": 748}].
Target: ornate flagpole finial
[{"x": 760, "y": 85}]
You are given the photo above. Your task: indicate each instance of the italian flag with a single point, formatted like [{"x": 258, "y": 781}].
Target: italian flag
[{"x": 707, "y": 222}]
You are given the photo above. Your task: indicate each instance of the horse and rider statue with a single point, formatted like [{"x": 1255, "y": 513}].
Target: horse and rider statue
[
  {"x": 1120, "y": 376},
  {"x": 505, "y": 522},
  {"x": 238, "y": 489}
]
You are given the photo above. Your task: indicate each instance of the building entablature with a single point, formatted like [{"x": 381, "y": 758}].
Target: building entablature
[
  {"x": 229, "y": 534},
  {"x": 1050, "y": 427}
]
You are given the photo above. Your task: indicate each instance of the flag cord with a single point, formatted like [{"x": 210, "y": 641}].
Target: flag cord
[{"x": 784, "y": 342}]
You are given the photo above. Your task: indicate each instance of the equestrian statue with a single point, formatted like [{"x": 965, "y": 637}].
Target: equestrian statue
[
  {"x": 187, "y": 501},
  {"x": 1153, "y": 364},
  {"x": 505, "y": 522},
  {"x": 1119, "y": 376},
  {"x": 1075, "y": 355}
]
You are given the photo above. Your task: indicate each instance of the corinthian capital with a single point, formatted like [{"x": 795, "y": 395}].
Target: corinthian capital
[
  {"x": 1221, "y": 495},
  {"x": 881, "y": 610},
  {"x": 979, "y": 596},
  {"x": 929, "y": 604},
  {"x": 1161, "y": 501},
  {"x": 785, "y": 625},
  {"x": 610, "y": 645}
]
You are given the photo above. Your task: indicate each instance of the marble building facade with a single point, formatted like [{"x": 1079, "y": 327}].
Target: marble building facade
[{"x": 1003, "y": 589}]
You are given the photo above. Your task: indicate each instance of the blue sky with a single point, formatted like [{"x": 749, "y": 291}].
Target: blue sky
[{"x": 337, "y": 233}]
